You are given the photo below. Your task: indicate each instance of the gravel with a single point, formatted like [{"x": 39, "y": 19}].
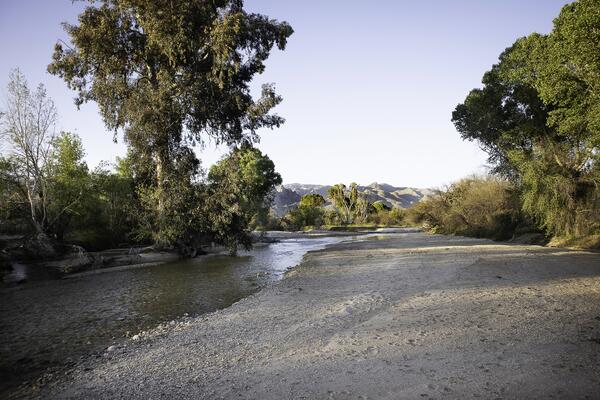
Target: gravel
[{"x": 408, "y": 316}]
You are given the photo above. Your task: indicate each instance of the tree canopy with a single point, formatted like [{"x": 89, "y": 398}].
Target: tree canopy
[
  {"x": 240, "y": 188},
  {"x": 171, "y": 75},
  {"x": 538, "y": 117}
]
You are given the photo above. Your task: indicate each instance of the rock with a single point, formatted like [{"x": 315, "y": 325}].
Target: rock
[
  {"x": 135, "y": 337},
  {"x": 111, "y": 348},
  {"x": 40, "y": 247}
]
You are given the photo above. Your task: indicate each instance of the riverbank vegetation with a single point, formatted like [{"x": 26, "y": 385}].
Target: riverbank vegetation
[
  {"x": 167, "y": 77},
  {"x": 538, "y": 117},
  {"x": 344, "y": 208},
  {"x": 477, "y": 206}
]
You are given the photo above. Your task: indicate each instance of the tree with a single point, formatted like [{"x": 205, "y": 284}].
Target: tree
[
  {"x": 380, "y": 206},
  {"x": 27, "y": 126},
  {"x": 538, "y": 118},
  {"x": 69, "y": 182},
  {"x": 312, "y": 200},
  {"x": 503, "y": 116},
  {"x": 240, "y": 188},
  {"x": 15, "y": 214},
  {"x": 171, "y": 75},
  {"x": 309, "y": 212},
  {"x": 346, "y": 200}
]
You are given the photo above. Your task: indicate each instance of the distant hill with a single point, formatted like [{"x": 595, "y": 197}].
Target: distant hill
[{"x": 288, "y": 196}]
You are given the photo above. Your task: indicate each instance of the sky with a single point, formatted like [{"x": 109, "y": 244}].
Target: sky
[{"x": 368, "y": 86}]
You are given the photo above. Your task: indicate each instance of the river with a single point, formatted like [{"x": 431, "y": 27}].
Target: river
[{"x": 49, "y": 322}]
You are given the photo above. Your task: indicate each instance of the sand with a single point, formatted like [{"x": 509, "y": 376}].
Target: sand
[{"x": 403, "y": 316}]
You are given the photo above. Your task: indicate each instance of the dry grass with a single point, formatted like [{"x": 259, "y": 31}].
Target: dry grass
[{"x": 590, "y": 242}]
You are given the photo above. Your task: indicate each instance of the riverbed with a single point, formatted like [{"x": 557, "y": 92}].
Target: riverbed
[
  {"x": 411, "y": 316},
  {"x": 49, "y": 323}
]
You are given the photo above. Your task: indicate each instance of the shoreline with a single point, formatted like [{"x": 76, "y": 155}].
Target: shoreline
[
  {"x": 124, "y": 321},
  {"x": 125, "y": 260},
  {"x": 321, "y": 315},
  {"x": 122, "y": 259}
]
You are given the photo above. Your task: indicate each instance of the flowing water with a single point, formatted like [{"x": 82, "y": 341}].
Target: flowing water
[{"x": 52, "y": 322}]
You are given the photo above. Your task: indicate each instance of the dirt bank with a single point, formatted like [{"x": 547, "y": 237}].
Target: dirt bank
[{"x": 414, "y": 316}]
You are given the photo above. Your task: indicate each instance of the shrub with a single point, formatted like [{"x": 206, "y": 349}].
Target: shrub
[{"x": 476, "y": 206}]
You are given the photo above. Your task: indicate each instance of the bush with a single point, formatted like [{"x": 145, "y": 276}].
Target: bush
[
  {"x": 477, "y": 206},
  {"x": 384, "y": 216}
]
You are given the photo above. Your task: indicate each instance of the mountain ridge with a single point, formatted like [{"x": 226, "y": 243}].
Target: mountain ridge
[{"x": 288, "y": 196}]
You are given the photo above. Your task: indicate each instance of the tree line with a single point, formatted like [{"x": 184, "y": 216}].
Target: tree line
[
  {"x": 538, "y": 118},
  {"x": 347, "y": 207},
  {"x": 47, "y": 188},
  {"x": 167, "y": 76}
]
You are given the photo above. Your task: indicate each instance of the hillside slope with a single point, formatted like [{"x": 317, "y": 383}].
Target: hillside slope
[{"x": 288, "y": 196}]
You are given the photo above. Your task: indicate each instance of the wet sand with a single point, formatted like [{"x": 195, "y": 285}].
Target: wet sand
[{"x": 409, "y": 316}]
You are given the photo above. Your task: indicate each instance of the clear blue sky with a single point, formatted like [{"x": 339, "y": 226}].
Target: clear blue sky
[{"x": 368, "y": 86}]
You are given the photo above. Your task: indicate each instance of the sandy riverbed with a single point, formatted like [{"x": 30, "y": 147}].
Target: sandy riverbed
[{"x": 411, "y": 316}]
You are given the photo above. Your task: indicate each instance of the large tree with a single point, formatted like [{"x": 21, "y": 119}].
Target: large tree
[
  {"x": 504, "y": 115},
  {"x": 538, "y": 116},
  {"x": 172, "y": 75},
  {"x": 27, "y": 121}
]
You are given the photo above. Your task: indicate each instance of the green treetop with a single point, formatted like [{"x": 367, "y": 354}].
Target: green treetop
[{"x": 170, "y": 75}]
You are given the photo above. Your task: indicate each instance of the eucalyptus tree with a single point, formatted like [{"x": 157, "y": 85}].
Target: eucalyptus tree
[{"x": 172, "y": 74}]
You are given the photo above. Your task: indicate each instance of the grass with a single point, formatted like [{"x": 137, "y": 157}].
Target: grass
[{"x": 590, "y": 242}]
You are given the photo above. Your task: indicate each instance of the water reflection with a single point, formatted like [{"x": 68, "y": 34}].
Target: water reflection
[{"x": 45, "y": 323}]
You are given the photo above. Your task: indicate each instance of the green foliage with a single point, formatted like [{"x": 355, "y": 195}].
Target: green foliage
[
  {"x": 178, "y": 219},
  {"x": 110, "y": 213},
  {"x": 239, "y": 191},
  {"x": 309, "y": 213},
  {"x": 505, "y": 115},
  {"x": 351, "y": 206},
  {"x": 348, "y": 201},
  {"x": 91, "y": 209},
  {"x": 382, "y": 215},
  {"x": 171, "y": 75},
  {"x": 332, "y": 217},
  {"x": 312, "y": 200},
  {"x": 380, "y": 206},
  {"x": 69, "y": 182},
  {"x": 538, "y": 117}
]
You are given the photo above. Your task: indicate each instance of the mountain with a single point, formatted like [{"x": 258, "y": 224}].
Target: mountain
[
  {"x": 284, "y": 200},
  {"x": 288, "y": 196}
]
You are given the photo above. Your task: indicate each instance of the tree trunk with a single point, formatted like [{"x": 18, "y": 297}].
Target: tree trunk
[
  {"x": 37, "y": 226},
  {"x": 161, "y": 160},
  {"x": 160, "y": 181}
]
